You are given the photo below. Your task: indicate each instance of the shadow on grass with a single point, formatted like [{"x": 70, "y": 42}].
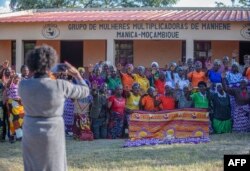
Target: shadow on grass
[{"x": 109, "y": 154}]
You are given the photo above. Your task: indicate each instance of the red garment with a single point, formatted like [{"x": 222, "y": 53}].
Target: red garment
[
  {"x": 160, "y": 86},
  {"x": 167, "y": 103},
  {"x": 118, "y": 105}
]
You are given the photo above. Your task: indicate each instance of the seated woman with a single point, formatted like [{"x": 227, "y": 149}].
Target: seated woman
[
  {"x": 159, "y": 84},
  {"x": 149, "y": 101},
  {"x": 221, "y": 122},
  {"x": 167, "y": 101},
  {"x": 183, "y": 99}
]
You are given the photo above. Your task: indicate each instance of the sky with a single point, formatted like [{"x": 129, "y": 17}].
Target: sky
[
  {"x": 200, "y": 3},
  {"x": 182, "y": 3}
]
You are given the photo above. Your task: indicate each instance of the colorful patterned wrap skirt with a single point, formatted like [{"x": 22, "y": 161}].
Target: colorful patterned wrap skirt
[
  {"x": 81, "y": 128},
  {"x": 115, "y": 126},
  {"x": 68, "y": 115},
  {"x": 241, "y": 118},
  {"x": 15, "y": 114}
]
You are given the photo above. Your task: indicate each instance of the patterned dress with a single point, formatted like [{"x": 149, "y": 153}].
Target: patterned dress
[
  {"x": 81, "y": 126},
  {"x": 68, "y": 115},
  {"x": 241, "y": 113},
  {"x": 233, "y": 81},
  {"x": 15, "y": 111}
]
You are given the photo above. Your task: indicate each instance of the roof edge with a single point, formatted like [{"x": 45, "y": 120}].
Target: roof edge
[
  {"x": 142, "y": 9},
  {"x": 122, "y": 9}
]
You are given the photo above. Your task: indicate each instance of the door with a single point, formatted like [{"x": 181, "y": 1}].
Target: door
[
  {"x": 72, "y": 52},
  {"x": 244, "y": 50}
]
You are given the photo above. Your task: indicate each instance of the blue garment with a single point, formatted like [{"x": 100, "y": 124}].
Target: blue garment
[
  {"x": 214, "y": 77},
  {"x": 234, "y": 78}
]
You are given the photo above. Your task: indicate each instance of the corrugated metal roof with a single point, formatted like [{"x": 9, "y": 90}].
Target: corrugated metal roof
[{"x": 142, "y": 14}]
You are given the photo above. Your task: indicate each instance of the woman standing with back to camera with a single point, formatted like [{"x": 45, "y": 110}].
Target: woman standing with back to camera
[{"x": 43, "y": 141}]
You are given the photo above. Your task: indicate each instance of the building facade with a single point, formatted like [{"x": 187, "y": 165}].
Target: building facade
[{"x": 137, "y": 36}]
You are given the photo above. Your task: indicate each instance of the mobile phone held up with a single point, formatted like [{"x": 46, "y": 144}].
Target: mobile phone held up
[{"x": 61, "y": 67}]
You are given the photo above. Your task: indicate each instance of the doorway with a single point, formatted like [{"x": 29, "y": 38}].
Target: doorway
[
  {"x": 244, "y": 50},
  {"x": 72, "y": 52}
]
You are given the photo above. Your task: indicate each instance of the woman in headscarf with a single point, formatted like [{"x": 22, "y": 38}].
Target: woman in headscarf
[
  {"x": 189, "y": 65},
  {"x": 234, "y": 76},
  {"x": 241, "y": 119},
  {"x": 116, "y": 104},
  {"x": 233, "y": 79},
  {"x": 180, "y": 78},
  {"x": 167, "y": 101},
  {"x": 149, "y": 101},
  {"x": 225, "y": 67},
  {"x": 105, "y": 69},
  {"x": 142, "y": 80},
  {"x": 155, "y": 73},
  {"x": 159, "y": 84},
  {"x": 221, "y": 121},
  {"x": 198, "y": 75},
  {"x": 96, "y": 77},
  {"x": 127, "y": 78},
  {"x": 171, "y": 72},
  {"x": 213, "y": 74},
  {"x": 113, "y": 80}
]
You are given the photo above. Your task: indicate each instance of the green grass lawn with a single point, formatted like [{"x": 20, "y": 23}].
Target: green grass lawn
[{"x": 109, "y": 155}]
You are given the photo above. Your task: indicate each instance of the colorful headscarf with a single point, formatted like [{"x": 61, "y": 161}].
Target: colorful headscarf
[
  {"x": 141, "y": 68},
  {"x": 130, "y": 66},
  {"x": 155, "y": 64},
  {"x": 81, "y": 69}
]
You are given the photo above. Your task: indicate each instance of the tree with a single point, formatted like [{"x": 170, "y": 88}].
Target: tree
[
  {"x": 238, "y": 3},
  {"x": 38, "y": 4},
  {"x": 245, "y": 3},
  {"x": 220, "y": 4}
]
